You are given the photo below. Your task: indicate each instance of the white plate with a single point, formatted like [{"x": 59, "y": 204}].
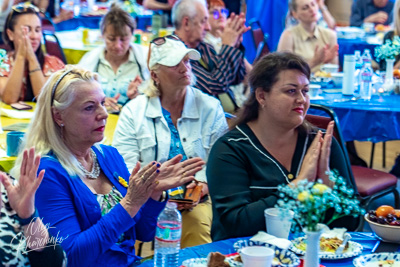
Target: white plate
[
  {"x": 377, "y": 259},
  {"x": 353, "y": 250}
]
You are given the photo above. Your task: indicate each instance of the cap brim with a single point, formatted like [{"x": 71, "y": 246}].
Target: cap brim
[{"x": 177, "y": 57}]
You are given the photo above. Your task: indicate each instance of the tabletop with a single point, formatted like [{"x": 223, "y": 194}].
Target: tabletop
[
  {"x": 6, "y": 163},
  {"x": 376, "y": 120},
  {"x": 367, "y": 240}
]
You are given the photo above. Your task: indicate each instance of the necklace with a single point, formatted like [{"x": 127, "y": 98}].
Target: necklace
[{"x": 95, "y": 167}]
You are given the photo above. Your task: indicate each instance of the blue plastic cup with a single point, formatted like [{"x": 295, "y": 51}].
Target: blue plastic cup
[{"x": 14, "y": 140}]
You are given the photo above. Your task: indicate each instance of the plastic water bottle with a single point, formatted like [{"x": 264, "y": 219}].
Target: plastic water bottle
[
  {"x": 366, "y": 57},
  {"x": 366, "y": 80},
  {"x": 359, "y": 65},
  {"x": 77, "y": 8},
  {"x": 168, "y": 237}
]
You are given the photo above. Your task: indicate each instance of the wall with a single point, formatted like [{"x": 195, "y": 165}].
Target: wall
[{"x": 340, "y": 10}]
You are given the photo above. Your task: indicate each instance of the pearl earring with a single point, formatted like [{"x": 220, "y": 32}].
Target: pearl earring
[{"x": 62, "y": 125}]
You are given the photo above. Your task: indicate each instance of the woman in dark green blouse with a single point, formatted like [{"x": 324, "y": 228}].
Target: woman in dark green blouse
[{"x": 270, "y": 145}]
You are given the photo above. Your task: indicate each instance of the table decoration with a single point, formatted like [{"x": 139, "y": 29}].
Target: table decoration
[
  {"x": 388, "y": 52},
  {"x": 310, "y": 202}
]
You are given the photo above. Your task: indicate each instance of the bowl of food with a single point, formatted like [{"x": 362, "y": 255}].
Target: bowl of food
[
  {"x": 385, "y": 223},
  {"x": 330, "y": 68},
  {"x": 337, "y": 78}
]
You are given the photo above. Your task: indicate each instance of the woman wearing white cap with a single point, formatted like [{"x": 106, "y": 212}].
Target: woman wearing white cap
[{"x": 173, "y": 120}]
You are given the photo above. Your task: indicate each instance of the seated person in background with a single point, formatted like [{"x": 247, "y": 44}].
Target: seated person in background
[
  {"x": 172, "y": 118},
  {"x": 120, "y": 63},
  {"x": 325, "y": 18},
  {"x": 20, "y": 222},
  {"x": 316, "y": 44},
  {"x": 214, "y": 72},
  {"x": 217, "y": 19},
  {"x": 164, "y": 5},
  {"x": 391, "y": 34},
  {"x": 375, "y": 11},
  {"x": 27, "y": 67},
  {"x": 270, "y": 145},
  {"x": 87, "y": 196}
]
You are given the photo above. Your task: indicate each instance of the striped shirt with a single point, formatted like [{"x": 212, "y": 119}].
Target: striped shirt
[{"x": 216, "y": 72}]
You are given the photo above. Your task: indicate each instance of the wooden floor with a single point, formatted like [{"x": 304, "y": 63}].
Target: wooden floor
[{"x": 364, "y": 151}]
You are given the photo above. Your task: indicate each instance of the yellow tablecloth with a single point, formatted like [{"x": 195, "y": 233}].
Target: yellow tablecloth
[{"x": 6, "y": 163}]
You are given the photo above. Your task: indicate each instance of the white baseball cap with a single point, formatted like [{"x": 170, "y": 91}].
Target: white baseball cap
[{"x": 169, "y": 51}]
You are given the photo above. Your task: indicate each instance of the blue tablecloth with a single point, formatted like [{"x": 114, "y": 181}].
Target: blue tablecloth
[
  {"x": 377, "y": 120},
  {"x": 93, "y": 22},
  {"x": 348, "y": 46},
  {"x": 367, "y": 240}
]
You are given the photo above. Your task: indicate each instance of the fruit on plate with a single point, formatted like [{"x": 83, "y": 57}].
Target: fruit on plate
[
  {"x": 396, "y": 73},
  {"x": 385, "y": 215},
  {"x": 380, "y": 27},
  {"x": 322, "y": 74}
]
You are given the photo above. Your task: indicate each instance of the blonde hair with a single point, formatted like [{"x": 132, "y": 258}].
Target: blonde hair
[
  {"x": 396, "y": 18},
  {"x": 151, "y": 89},
  {"x": 43, "y": 132}
]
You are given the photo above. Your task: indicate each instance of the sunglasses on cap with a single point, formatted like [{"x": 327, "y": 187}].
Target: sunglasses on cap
[
  {"x": 160, "y": 41},
  {"x": 217, "y": 13},
  {"x": 24, "y": 7}
]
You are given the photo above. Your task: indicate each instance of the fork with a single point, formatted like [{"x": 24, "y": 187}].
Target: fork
[{"x": 346, "y": 238}]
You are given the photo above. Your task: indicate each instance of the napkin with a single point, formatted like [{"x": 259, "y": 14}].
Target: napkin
[
  {"x": 16, "y": 114},
  {"x": 262, "y": 236}
]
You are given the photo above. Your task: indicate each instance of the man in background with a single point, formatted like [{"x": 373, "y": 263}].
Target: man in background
[{"x": 373, "y": 11}]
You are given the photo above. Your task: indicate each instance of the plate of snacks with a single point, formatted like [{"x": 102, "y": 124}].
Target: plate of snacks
[
  {"x": 385, "y": 223},
  {"x": 378, "y": 260},
  {"x": 214, "y": 259},
  {"x": 331, "y": 242},
  {"x": 283, "y": 257}
]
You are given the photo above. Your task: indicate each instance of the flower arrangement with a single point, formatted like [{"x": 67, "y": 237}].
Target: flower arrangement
[
  {"x": 3, "y": 58},
  {"x": 311, "y": 200},
  {"x": 389, "y": 50}
]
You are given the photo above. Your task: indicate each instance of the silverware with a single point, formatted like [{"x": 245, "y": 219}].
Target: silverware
[{"x": 346, "y": 238}]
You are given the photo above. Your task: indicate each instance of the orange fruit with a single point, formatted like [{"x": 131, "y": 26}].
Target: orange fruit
[
  {"x": 397, "y": 212},
  {"x": 379, "y": 27},
  {"x": 396, "y": 73},
  {"x": 384, "y": 210}
]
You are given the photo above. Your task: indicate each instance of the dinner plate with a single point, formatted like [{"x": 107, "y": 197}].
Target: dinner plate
[
  {"x": 202, "y": 262},
  {"x": 378, "y": 259},
  {"x": 353, "y": 250},
  {"x": 283, "y": 257}
]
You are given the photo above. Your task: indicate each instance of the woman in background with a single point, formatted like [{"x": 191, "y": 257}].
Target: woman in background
[
  {"x": 316, "y": 44},
  {"x": 121, "y": 64},
  {"x": 27, "y": 68}
]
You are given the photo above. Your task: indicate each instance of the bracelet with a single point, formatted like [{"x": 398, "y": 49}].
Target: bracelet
[
  {"x": 163, "y": 197},
  {"x": 27, "y": 221},
  {"x": 34, "y": 70}
]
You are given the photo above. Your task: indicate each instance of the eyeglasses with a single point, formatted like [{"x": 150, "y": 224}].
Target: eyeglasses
[
  {"x": 160, "y": 41},
  {"x": 24, "y": 7},
  {"x": 217, "y": 13}
]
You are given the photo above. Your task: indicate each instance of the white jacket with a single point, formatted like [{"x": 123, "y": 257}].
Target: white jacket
[{"x": 201, "y": 124}]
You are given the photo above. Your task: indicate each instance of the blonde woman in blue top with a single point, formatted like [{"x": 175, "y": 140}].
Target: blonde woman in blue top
[{"x": 88, "y": 197}]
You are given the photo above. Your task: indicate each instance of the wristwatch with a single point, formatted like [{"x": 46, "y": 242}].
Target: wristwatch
[{"x": 27, "y": 221}]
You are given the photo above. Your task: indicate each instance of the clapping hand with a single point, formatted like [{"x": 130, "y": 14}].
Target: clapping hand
[
  {"x": 141, "y": 185},
  {"x": 174, "y": 173},
  {"x": 324, "y": 54},
  {"x": 133, "y": 87},
  {"x": 316, "y": 161},
  {"x": 111, "y": 103},
  {"x": 22, "y": 195},
  {"x": 234, "y": 29}
]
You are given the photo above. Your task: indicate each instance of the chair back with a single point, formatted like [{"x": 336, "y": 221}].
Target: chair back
[
  {"x": 262, "y": 49},
  {"x": 257, "y": 32},
  {"x": 47, "y": 24},
  {"x": 53, "y": 46}
]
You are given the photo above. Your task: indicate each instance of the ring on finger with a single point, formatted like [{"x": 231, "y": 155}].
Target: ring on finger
[
  {"x": 142, "y": 177},
  {"x": 183, "y": 174}
]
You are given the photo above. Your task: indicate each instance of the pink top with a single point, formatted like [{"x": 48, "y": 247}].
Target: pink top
[{"x": 51, "y": 65}]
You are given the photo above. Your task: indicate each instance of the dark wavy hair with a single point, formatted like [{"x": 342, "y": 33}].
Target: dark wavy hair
[{"x": 264, "y": 75}]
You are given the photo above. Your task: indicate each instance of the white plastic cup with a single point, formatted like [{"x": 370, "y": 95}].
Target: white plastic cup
[
  {"x": 278, "y": 222},
  {"x": 314, "y": 90},
  {"x": 257, "y": 256}
]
